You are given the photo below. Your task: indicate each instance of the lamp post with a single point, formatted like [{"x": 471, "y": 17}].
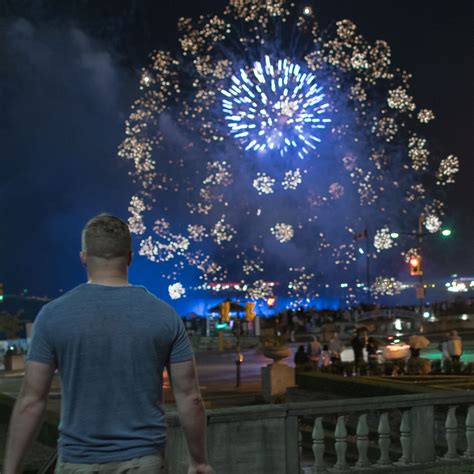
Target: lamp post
[{"x": 239, "y": 358}]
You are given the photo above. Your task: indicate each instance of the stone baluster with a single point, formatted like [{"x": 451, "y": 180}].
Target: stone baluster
[
  {"x": 362, "y": 441},
  {"x": 300, "y": 441},
  {"x": 451, "y": 434},
  {"x": 384, "y": 440},
  {"x": 469, "y": 453},
  {"x": 405, "y": 439},
  {"x": 318, "y": 445},
  {"x": 341, "y": 444}
]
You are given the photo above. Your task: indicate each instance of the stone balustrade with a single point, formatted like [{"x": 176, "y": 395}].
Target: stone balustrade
[
  {"x": 412, "y": 454},
  {"x": 376, "y": 434},
  {"x": 267, "y": 438}
]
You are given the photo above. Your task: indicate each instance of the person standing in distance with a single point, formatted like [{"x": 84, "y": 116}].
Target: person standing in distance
[{"x": 110, "y": 342}]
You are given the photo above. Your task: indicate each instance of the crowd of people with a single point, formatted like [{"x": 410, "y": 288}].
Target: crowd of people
[{"x": 320, "y": 356}]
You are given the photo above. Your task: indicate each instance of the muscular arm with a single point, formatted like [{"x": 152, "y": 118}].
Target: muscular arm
[
  {"x": 27, "y": 415},
  {"x": 191, "y": 411}
]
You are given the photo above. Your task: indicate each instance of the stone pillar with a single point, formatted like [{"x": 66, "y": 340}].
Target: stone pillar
[
  {"x": 276, "y": 379},
  {"x": 257, "y": 326},
  {"x": 422, "y": 434},
  {"x": 14, "y": 362}
]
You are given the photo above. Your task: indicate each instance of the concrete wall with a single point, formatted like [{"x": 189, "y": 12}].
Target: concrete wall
[{"x": 241, "y": 442}]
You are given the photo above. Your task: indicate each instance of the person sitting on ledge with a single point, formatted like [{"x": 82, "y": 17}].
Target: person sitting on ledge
[{"x": 301, "y": 358}]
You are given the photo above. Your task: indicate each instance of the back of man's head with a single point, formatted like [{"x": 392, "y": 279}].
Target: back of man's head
[{"x": 106, "y": 237}]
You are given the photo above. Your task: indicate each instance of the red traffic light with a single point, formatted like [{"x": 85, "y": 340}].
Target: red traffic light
[{"x": 415, "y": 266}]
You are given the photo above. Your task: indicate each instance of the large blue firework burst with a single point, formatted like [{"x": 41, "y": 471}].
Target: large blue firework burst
[{"x": 277, "y": 107}]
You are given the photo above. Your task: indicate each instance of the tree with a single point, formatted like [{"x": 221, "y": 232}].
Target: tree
[{"x": 10, "y": 324}]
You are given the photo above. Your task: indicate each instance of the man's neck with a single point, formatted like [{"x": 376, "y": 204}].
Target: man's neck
[{"x": 108, "y": 280}]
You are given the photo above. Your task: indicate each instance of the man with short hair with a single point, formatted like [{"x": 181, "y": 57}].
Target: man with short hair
[{"x": 110, "y": 342}]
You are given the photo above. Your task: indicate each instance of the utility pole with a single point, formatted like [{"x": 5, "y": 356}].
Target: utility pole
[
  {"x": 239, "y": 356},
  {"x": 367, "y": 269},
  {"x": 421, "y": 291}
]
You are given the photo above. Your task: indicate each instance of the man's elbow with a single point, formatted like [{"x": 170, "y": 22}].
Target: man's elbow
[
  {"x": 191, "y": 401},
  {"x": 30, "y": 405}
]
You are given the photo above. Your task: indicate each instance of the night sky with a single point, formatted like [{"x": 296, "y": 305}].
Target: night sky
[{"x": 69, "y": 72}]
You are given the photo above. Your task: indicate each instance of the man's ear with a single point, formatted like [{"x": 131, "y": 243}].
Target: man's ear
[
  {"x": 130, "y": 257},
  {"x": 83, "y": 257}
]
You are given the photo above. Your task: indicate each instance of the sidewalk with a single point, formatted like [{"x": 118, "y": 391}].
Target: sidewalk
[{"x": 11, "y": 373}]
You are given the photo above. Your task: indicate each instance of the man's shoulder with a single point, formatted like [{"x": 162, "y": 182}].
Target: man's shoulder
[
  {"x": 162, "y": 305},
  {"x": 76, "y": 297},
  {"x": 60, "y": 300}
]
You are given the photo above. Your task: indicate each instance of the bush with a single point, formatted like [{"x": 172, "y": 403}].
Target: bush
[
  {"x": 458, "y": 367},
  {"x": 436, "y": 367},
  {"x": 388, "y": 368},
  {"x": 348, "y": 368},
  {"x": 375, "y": 368},
  {"x": 453, "y": 367},
  {"x": 363, "y": 368},
  {"x": 401, "y": 364},
  {"x": 337, "y": 368},
  {"x": 418, "y": 366},
  {"x": 469, "y": 368},
  {"x": 272, "y": 341}
]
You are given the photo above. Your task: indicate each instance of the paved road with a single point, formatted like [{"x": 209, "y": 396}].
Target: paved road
[
  {"x": 216, "y": 374},
  {"x": 217, "y": 371}
]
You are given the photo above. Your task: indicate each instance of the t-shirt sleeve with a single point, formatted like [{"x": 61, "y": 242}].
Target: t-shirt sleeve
[
  {"x": 41, "y": 347},
  {"x": 181, "y": 350}
]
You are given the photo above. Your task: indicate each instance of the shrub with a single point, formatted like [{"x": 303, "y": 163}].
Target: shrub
[
  {"x": 375, "y": 368},
  {"x": 458, "y": 367},
  {"x": 348, "y": 368},
  {"x": 436, "y": 367},
  {"x": 418, "y": 366},
  {"x": 337, "y": 368},
  {"x": 362, "y": 368},
  {"x": 469, "y": 368},
  {"x": 387, "y": 368}
]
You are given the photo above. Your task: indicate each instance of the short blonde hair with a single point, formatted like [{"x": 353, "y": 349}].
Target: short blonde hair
[{"x": 106, "y": 236}]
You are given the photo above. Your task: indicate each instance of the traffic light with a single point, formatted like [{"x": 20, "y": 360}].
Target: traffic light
[
  {"x": 249, "y": 311},
  {"x": 271, "y": 301},
  {"x": 225, "y": 311},
  {"x": 415, "y": 265},
  {"x": 1, "y": 292}
]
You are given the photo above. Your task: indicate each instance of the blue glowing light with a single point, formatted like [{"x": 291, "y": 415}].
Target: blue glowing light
[{"x": 275, "y": 108}]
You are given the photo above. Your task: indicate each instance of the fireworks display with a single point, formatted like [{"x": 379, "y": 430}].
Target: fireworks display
[
  {"x": 432, "y": 223},
  {"x": 283, "y": 232},
  {"x": 275, "y": 107},
  {"x": 176, "y": 291},
  {"x": 249, "y": 138},
  {"x": 387, "y": 286}
]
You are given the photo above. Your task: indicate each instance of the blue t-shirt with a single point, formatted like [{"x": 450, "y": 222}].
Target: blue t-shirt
[{"x": 110, "y": 345}]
